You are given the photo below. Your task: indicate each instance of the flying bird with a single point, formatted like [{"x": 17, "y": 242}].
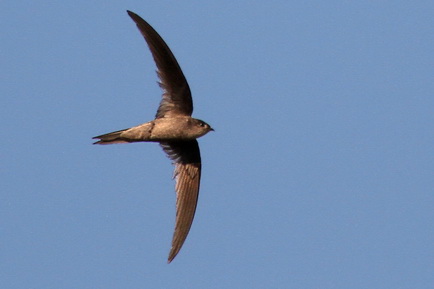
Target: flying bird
[{"x": 173, "y": 128}]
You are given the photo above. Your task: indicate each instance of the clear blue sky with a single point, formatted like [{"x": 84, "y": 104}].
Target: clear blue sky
[{"x": 320, "y": 173}]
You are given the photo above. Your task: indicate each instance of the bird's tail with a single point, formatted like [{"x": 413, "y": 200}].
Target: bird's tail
[{"x": 111, "y": 138}]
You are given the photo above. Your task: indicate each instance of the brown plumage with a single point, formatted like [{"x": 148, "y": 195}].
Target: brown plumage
[{"x": 175, "y": 130}]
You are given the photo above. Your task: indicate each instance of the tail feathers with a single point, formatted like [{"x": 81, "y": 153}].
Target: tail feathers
[{"x": 111, "y": 138}]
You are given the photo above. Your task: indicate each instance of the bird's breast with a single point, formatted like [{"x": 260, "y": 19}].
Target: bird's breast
[{"x": 172, "y": 129}]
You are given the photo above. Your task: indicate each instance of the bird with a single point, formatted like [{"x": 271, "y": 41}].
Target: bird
[{"x": 173, "y": 128}]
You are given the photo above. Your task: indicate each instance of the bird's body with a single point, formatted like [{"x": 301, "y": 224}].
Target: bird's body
[
  {"x": 158, "y": 130},
  {"x": 175, "y": 130}
]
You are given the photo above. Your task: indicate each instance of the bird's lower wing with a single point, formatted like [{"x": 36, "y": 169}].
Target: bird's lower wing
[{"x": 186, "y": 157}]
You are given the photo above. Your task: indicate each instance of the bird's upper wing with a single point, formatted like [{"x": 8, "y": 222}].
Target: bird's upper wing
[
  {"x": 186, "y": 157},
  {"x": 176, "y": 92}
]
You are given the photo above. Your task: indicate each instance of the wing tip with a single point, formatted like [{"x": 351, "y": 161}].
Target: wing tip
[
  {"x": 173, "y": 253},
  {"x": 134, "y": 16}
]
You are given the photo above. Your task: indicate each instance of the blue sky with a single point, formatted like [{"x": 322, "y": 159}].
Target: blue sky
[{"x": 319, "y": 173}]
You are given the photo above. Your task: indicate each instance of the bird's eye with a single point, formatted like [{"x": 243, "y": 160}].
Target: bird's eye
[{"x": 202, "y": 124}]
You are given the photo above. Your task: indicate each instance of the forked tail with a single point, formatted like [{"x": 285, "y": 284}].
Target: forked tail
[{"x": 111, "y": 138}]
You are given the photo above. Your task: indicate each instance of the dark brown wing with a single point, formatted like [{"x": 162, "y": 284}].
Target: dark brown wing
[
  {"x": 176, "y": 92},
  {"x": 186, "y": 157}
]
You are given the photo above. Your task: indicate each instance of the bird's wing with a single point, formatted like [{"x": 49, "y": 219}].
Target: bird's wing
[
  {"x": 176, "y": 92},
  {"x": 186, "y": 157}
]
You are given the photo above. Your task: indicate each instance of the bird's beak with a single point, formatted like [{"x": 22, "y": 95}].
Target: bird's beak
[{"x": 211, "y": 129}]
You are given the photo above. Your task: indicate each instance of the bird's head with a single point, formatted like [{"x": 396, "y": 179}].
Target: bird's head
[{"x": 201, "y": 127}]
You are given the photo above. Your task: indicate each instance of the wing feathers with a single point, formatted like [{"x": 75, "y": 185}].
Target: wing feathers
[
  {"x": 176, "y": 98},
  {"x": 186, "y": 157}
]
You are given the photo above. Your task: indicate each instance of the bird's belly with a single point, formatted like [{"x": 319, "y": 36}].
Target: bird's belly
[{"x": 171, "y": 132}]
